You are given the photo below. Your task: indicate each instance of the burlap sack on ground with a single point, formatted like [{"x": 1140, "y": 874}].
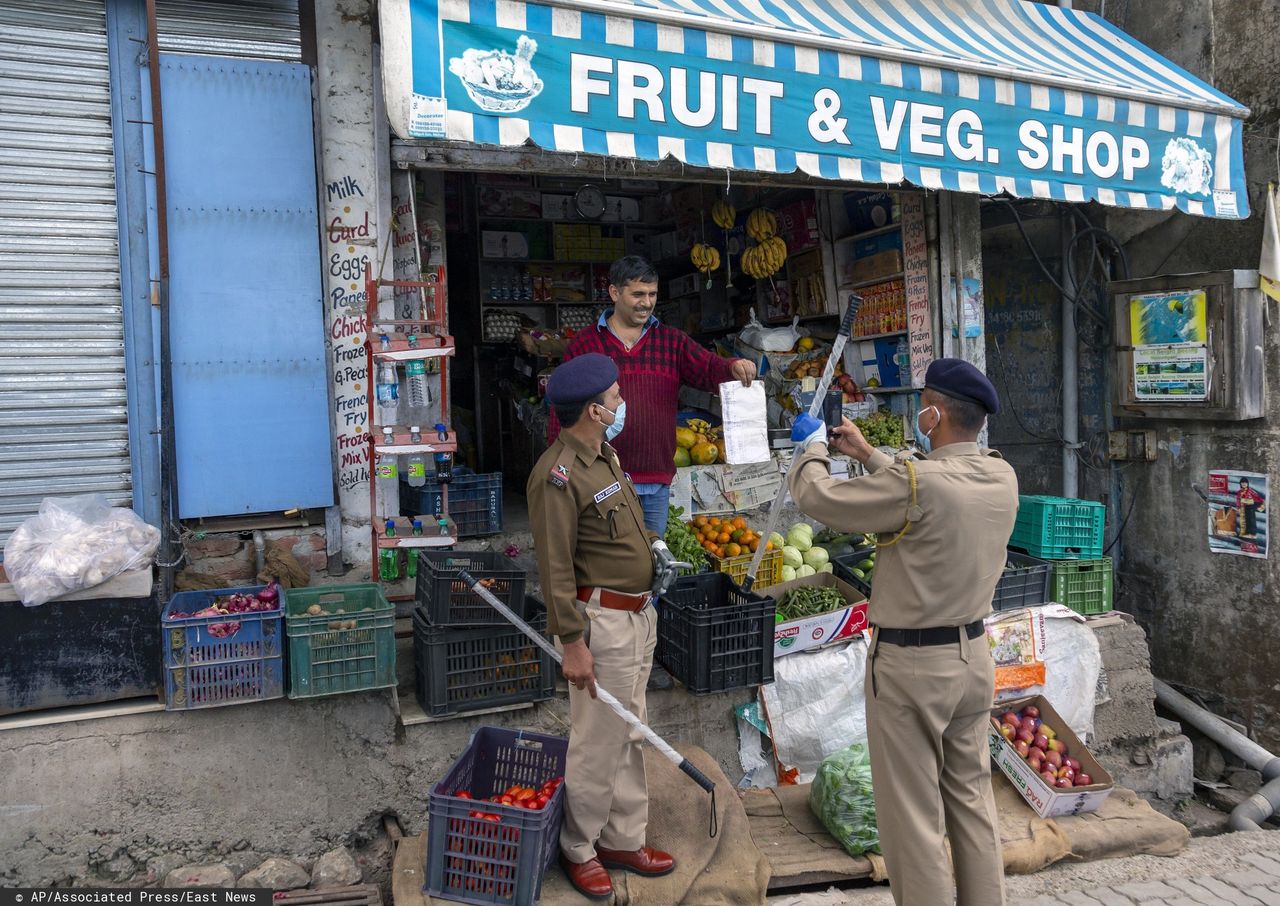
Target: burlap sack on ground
[
  {"x": 1125, "y": 825},
  {"x": 725, "y": 871},
  {"x": 1030, "y": 843}
]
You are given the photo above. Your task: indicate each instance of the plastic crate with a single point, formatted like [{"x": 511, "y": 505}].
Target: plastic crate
[
  {"x": 451, "y": 602},
  {"x": 1059, "y": 528},
  {"x": 713, "y": 636},
  {"x": 1024, "y": 583},
  {"x": 843, "y": 566},
  {"x": 242, "y": 663},
  {"x": 1083, "y": 585},
  {"x": 326, "y": 660},
  {"x": 736, "y": 568},
  {"x": 475, "y": 502},
  {"x": 467, "y": 669},
  {"x": 475, "y": 860}
]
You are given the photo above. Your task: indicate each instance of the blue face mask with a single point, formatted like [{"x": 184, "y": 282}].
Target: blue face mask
[
  {"x": 922, "y": 439},
  {"x": 619, "y": 420}
]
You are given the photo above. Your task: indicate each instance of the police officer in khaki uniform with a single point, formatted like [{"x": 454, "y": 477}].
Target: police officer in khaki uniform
[
  {"x": 600, "y": 570},
  {"x": 943, "y": 521}
]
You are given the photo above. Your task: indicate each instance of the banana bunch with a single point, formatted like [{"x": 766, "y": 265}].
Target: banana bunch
[
  {"x": 705, "y": 258},
  {"x": 762, "y": 224},
  {"x": 702, "y": 426},
  {"x": 724, "y": 214},
  {"x": 766, "y": 259}
]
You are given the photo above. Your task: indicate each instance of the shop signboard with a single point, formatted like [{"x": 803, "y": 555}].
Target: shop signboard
[{"x": 730, "y": 89}]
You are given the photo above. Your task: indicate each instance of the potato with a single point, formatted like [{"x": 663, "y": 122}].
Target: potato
[{"x": 315, "y": 610}]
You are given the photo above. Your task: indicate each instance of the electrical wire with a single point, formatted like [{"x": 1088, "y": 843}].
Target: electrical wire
[{"x": 1120, "y": 530}]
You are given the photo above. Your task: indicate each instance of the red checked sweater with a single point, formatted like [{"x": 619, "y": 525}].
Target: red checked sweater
[{"x": 649, "y": 377}]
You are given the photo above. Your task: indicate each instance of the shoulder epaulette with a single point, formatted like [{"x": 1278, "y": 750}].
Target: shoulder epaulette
[{"x": 559, "y": 475}]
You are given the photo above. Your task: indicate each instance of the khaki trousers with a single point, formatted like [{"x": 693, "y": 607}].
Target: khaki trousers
[
  {"x": 927, "y": 715},
  {"x": 606, "y": 797}
]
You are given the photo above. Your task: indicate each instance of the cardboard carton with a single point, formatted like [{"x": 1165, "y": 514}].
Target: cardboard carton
[
  {"x": 1045, "y": 801},
  {"x": 824, "y": 629}
]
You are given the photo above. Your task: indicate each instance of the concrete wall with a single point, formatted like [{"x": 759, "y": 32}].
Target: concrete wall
[{"x": 1212, "y": 619}]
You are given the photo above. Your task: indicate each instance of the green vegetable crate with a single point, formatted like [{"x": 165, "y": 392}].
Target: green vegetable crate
[
  {"x": 1059, "y": 528},
  {"x": 1083, "y": 585},
  {"x": 738, "y": 567},
  {"x": 350, "y": 646}
]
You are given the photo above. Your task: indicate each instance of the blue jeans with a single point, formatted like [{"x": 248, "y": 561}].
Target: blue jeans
[{"x": 654, "y": 498}]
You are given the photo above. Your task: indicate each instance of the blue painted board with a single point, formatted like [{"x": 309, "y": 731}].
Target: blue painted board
[{"x": 250, "y": 386}]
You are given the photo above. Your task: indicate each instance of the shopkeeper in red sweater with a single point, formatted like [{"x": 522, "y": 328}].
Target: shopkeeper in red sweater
[{"x": 653, "y": 360}]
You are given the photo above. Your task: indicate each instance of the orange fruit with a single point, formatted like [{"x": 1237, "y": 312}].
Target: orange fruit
[
  {"x": 733, "y": 550},
  {"x": 768, "y": 545},
  {"x": 699, "y": 521},
  {"x": 736, "y": 534},
  {"x": 713, "y": 521},
  {"x": 739, "y": 522},
  {"x": 753, "y": 545},
  {"x": 708, "y": 546},
  {"x": 748, "y": 536},
  {"x": 722, "y": 538}
]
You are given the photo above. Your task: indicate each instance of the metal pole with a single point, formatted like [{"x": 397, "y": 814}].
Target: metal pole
[{"x": 1070, "y": 379}]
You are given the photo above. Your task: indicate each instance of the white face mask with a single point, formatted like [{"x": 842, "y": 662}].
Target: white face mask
[
  {"x": 922, "y": 438},
  {"x": 619, "y": 419}
]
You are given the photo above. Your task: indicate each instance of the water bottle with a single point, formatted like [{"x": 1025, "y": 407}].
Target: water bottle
[
  {"x": 388, "y": 478},
  {"x": 418, "y": 396},
  {"x": 416, "y": 463},
  {"x": 444, "y": 461},
  {"x": 389, "y": 557},
  {"x": 442, "y": 525},
  {"x": 902, "y": 357},
  {"x": 388, "y": 393}
]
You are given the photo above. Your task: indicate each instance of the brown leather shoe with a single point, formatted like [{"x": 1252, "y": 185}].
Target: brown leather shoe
[
  {"x": 646, "y": 860},
  {"x": 588, "y": 878}
]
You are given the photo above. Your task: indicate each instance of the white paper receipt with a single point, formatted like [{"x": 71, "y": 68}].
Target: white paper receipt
[{"x": 746, "y": 424}]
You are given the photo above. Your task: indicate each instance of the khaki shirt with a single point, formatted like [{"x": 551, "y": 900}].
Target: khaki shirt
[
  {"x": 588, "y": 530},
  {"x": 944, "y": 570}
]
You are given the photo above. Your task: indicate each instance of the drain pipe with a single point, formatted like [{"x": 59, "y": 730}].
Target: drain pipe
[
  {"x": 1070, "y": 380},
  {"x": 1248, "y": 815},
  {"x": 260, "y": 550}
]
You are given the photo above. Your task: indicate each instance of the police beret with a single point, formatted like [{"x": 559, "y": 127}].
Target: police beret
[
  {"x": 958, "y": 379},
  {"x": 582, "y": 378}
]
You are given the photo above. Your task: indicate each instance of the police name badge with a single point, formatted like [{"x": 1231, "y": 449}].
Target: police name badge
[{"x": 608, "y": 492}]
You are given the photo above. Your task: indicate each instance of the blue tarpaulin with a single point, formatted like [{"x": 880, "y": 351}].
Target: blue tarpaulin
[{"x": 987, "y": 96}]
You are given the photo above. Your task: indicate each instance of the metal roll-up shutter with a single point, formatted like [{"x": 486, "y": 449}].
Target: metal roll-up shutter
[
  {"x": 249, "y": 29},
  {"x": 63, "y": 410}
]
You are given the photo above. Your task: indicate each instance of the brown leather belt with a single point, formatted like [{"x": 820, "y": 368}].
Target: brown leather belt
[{"x": 614, "y": 600}]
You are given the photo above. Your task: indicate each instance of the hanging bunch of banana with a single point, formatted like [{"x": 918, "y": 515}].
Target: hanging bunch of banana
[
  {"x": 705, "y": 258},
  {"x": 762, "y": 224},
  {"x": 723, "y": 214},
  {"x": 766, "y": 259}
]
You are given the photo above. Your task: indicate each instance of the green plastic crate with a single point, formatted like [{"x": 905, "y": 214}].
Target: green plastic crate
[
  {"x": 1059, "y": 528},
  {"x": 326, "y": 659},
  {"x": 1083, "y": 585}
]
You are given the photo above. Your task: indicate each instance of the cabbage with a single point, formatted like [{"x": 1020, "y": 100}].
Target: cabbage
[
  {"x": 827, "y": 568},
  {"x": 806, "y": 570},
  {"x": 801, "y": 527},
  {"x": 792, "y": 557},
  {"x": 801, "y": 541},
  {"x": 777, "y": 540},
  {"x": 817, "y": 557},
  {"x": 788, "y": 573}
]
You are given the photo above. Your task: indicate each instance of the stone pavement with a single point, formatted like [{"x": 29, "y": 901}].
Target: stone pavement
[{"x": 1229, "y": 870}]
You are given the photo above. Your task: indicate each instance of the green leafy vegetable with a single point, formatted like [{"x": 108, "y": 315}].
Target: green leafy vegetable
[
  {"x": 842, "y": 799},
  {"x": 681, "y": 541}
]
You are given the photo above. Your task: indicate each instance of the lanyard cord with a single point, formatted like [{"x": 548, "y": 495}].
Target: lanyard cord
[{"x": 911, "y": 482}]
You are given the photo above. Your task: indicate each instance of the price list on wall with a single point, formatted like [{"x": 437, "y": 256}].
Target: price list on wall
[{"x": 915, "y": 266}]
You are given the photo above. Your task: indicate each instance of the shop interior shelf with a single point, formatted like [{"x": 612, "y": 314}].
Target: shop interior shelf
[
  {"x": 879, "y": 336},
  {"x": 431, "y": 537},
  {"x": 431, "y": 443},
  {"x": 868, "y": 234},
  {"x": 884, "y": 278}
]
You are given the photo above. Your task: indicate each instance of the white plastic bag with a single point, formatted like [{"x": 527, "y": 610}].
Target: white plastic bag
[
  {"x": 74, "y": 543},
  {"x": 775, "y": 339}
]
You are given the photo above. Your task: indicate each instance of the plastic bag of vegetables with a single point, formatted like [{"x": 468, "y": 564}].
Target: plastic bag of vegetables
[
  {"x": 74, "y": 543},
  {"x": 841, "y": 797}
]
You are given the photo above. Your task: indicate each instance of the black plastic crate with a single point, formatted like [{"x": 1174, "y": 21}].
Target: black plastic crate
[
  {"x": 485, "y": 853},
  {"x": 451, "y": 602},
  {"x": 1024, "y": 583},
  {"x": 467, "y": 669},
  {"x": 842, "y": 567},
  {"x": 713, "y": 636},
  {"x": 475, "y": 502}
]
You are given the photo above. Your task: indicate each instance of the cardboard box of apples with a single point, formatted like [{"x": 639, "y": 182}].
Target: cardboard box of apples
[{"x": 1045, "y": 761}]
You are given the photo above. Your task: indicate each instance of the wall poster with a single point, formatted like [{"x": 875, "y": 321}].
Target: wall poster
[
  {"x": 1238, "y": 513},
  {"x": 1170, "y": 346}
]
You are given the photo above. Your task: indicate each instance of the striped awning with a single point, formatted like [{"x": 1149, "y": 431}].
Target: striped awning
[{"x": 987, "y": 96}]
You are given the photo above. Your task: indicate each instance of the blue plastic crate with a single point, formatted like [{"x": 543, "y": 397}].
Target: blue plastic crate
[
  {"x": 474, "y": 860},
  {"x": 222, "y": 660},
  {"x": 475, "y": 502},
  {"x": 1059, "y": 528}
]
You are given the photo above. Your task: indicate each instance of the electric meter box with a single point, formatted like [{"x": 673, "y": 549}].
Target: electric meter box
[{"x": 1190, "y": 346}]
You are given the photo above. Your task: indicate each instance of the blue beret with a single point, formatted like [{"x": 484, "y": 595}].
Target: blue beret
[
  {"x": 959, "y": 380},
  {"x": 582, "y": 378}
]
